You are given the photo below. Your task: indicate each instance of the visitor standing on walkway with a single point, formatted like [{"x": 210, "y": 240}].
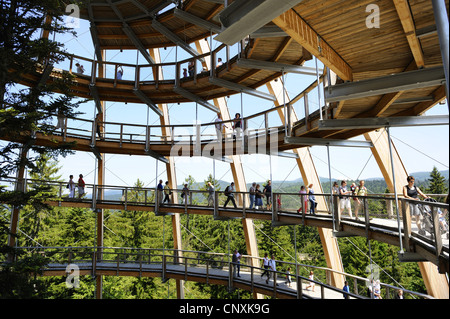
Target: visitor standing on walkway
[
  {"x": 266, "y": 266},
  {"x": 335, "y": 188},
  {"x": 167, "y": 193},
  {"x": 410, "y": 191},
  {"x": 211, "y": 198},
  {"x": 311, "y": 283},
  {"x": 71, "y": 187},
  {"x": 288, "y": 277},
  {"x": 229, "y": 193},
  {"x": 258, "y": 197},
  {"x": 361, "y": 190},
  {"x": 159, "y": 192},
  {"x": 81, "y": 186},
  {"x": 219, "y": 126},
  {"x": 236, "y": 259},
  {"x": 252, "y": 194},
  {"x": 345, "y": 199},
  {"x": 80, "y": 68},
  {"x": 185, "y": 194},
  {"x": 191, "y": 68},
  {"x": 273, "y": 269},
  {"x": 268, "y": 193},
  {"x": 312, "y": 200},
  {"x": 303, "y": 199},
  {"x": 346, "y": 289},
  {"x": 237, "y": 126},
  {"x": 119, "y": 72}
]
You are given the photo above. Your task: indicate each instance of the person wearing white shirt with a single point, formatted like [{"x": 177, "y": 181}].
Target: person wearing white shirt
[
  {"x": 265, "y": 266},
  {"x": 236, "y": 259},
  {"x": 273, "y": 268},
  {"x": 219, "y": 127},
  {"x": 71, "y": 187}
]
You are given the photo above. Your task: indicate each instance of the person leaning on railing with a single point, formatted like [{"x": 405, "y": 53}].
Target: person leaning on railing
[{"x": 410, "y": 191}]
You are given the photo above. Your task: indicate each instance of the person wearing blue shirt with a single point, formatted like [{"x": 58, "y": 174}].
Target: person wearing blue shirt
[
  {"x": 312, "y": 199},
  {"x": 346, "y": 289},
  {"x": 119, "y": 72},
  {"x": 159, "y": 193}
]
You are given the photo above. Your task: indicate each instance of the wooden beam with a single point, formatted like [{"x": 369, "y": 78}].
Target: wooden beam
[
  {"x": 387, "y": 99},
  {"x": 405, "y": 15},
  {"x": 383, "y": 104},
  {"x": 309, "y": 176},
  {"x": 436, "y": 284},
  {"x": 101, "y": 168},
  {"x": 171, "y": 172},
  {"x": 236, "y": 169},
  {"x": 439, "y": 95},
  {"x": 284, "y": 45},
  {"x": 300, "y": 31}
]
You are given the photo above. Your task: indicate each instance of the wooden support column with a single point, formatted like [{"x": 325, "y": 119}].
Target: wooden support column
[
  {"x": 171, "y": 173},
  {"x": 436, "y": 283},
  {"x": 309, "y": 175},
  {"x": 237, "y": 171},
  {"x": 100, "y": 182},
  {"x": 20, "y": 186},
  {"x": 239, "y": 180},
  {"x": 380, "y": 152}
]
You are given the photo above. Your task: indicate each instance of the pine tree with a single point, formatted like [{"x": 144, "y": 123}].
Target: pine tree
[
  {"x": 437, "y": 184},
  {"x": 47, "y": 171},
  {"x": 31, "y": 109}
]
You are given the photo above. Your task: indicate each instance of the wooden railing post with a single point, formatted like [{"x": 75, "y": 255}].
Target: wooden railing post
[
  {"x": 230, "y": 276},
  {"x": 274, "y": 284},
  {"x": 164, "y": 265},
  {"x": 126, "y": 198},
  {"x": 299, "y": 287},
  {"x": 306, "y": 104},
  {"x": 337, "y": 214},
  {"x": 207, "y": 272},
  {"x": 406, "y": 225},
  {"x": 94, "y": 129},
  {"x": 436, "y": 232},
  {"x": 252, "y": 278}
]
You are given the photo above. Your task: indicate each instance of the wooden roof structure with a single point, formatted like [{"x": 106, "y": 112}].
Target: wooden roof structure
[
  {"x": 335, "y": 31},
  {"x": 394, "y": 70}
]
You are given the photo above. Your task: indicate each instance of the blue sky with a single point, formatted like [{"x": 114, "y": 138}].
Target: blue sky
[{"x": 420, "y": 148}]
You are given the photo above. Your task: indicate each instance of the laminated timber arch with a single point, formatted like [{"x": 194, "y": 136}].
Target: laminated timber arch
[
  {"x": 295, "y": 25},
  {"x": 237, "y": 171},
  {"x": 436, "y": 283},
  {"x": 127, "y": 24},
  {"x": 309, "y": 176},
  {"x": 171, "y": 176}
]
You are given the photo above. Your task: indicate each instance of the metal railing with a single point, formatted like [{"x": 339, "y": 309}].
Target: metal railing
[
  {"x": 210, "y": 266},
  {"x": 375, "y": 212},
  {"x": 256, "y": 130},
  {"x": 142, "y": 74}
]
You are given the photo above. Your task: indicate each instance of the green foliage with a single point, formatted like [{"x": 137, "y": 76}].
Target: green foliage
[
  {"x": 437, "y": 184},
  {"x": 19, "y": 280},
  {"x": 77, "y": 227}
]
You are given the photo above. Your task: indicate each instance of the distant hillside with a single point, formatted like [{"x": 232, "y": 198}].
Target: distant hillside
[
  {"x": 375, "y": 185},
  {"x": 422, "y": 176}
]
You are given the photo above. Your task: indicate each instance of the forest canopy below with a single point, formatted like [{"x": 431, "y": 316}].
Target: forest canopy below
[{"x": 76, "y": 227}]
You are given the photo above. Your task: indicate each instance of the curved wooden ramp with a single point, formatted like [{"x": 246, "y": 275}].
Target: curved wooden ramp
[
  {"x": 203, "y": 267},
  {"x": 372, "y": 224}
]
